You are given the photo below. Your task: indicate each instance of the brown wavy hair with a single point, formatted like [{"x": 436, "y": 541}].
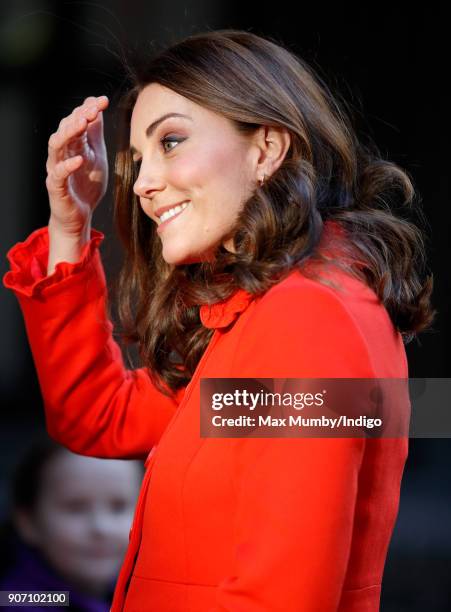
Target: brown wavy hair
[{"x": 327, "y": 174}]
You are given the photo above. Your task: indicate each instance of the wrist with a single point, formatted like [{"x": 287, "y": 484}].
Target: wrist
[
  {"x": 66, "y": 245},
  {"x": 76, "y": 234}
]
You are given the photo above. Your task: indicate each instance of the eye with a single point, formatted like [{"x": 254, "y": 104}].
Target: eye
[
  {"x": 164, "y": 141},
  {"x": 74, "y": 506},
  {"x": 170, "y": 140},
  {"x": 119, "y": 505}
]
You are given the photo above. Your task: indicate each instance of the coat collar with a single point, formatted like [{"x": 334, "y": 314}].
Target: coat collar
[{"x": 221, "y": 314}]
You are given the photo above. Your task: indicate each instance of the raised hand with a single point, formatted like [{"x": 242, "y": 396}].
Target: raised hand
[{"x": 77, "y": 177}]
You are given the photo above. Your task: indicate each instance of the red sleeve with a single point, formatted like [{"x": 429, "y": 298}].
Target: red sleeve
[
  {"x": 296, "y": 496},
  {"x": 93, "y": 404}
]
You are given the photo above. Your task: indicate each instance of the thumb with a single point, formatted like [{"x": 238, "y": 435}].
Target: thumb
[{"x": 95, "y": 131}]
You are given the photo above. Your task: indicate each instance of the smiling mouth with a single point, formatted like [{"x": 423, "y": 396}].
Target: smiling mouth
[
  {"x": 103, "y": 554},
  {"x": 172, "y": 213}
]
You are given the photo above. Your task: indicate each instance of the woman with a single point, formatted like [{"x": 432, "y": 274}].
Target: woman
[
  {"x": 259, "y": 243},
  {"x": 69, "y": 525}
]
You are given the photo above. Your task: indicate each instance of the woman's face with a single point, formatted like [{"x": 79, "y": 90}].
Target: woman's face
[
  {"x": 198, "y": 159},
  {"x": 82, "y": 518}
]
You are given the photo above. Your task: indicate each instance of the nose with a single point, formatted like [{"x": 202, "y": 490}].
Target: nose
[
  {"x": 101, "y": 523},
  {"x": 147, "y": 183}
]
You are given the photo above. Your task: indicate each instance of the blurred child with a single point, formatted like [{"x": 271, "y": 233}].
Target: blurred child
[{"x": 69, "y": 525}]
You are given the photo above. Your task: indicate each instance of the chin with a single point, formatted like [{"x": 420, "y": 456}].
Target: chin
[
  {"x": 175, "y": 260},
  {"x": 178, "y": 259}
]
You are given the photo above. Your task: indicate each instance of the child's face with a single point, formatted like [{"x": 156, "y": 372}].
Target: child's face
[{"x": 83, "y": 516}]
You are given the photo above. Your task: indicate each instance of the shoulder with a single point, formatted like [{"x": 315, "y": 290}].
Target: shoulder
[
  {"x": 304, "y": 327},
  {"x": 298, "y": 299}
]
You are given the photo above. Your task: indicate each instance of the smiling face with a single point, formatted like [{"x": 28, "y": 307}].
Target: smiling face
[
  {"x": 82, "y": 517},
  {"x": 199, "y": 160}
]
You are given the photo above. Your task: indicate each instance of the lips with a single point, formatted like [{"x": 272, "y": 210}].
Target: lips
[
  {"x": 159, "y": 211},
  {"x": 102, "y": 551},
  {"x": 171, "y": 217}
]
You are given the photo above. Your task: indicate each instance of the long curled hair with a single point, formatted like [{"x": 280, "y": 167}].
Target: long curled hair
[{"x": 327, "y": 175}]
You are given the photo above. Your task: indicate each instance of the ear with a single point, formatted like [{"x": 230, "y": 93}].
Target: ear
[
  {"x": 273, "y": 144},
  {"x": 26, "y": 527}
]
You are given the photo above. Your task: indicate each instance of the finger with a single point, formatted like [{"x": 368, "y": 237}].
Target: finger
[
  {"x": 89, "y": 101},
  {"x": 93, "y": 104},
  {"x": 53, "y": 151},
  {"x": 88, "y": 110},
  {"x": 79, "y": 110},
  {"x": 59, "y": 140},
  {"x": 57, "y": 179},
  {"x": 95, "y": 130},
  {"x": 74, "y": 125},
  {"x": 68, "y": 125},
  {"x": 77, "y": 145},
  {"x": 102, "y": 102}
]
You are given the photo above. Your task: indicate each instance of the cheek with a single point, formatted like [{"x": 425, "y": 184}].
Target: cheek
[
  {"x": 120, "y": 526},
  {"x": 208, "y": 167},
  {"x": 189, "y": 174},
  {"x": 62, "y": 531}
]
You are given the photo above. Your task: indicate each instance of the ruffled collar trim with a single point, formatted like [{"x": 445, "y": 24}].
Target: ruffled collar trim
[{"x": 223, "y": 313}]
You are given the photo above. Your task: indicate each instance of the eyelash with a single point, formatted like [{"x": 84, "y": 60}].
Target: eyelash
[
  {"x": 164, "y": 140},
  {"x": 169, "y": 139}
]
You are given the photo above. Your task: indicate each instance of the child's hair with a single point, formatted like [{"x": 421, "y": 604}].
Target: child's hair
[{"x": 25, "y": 485}]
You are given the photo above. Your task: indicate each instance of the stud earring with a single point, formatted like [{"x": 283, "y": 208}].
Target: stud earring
[{"x": 262, "y": 180}]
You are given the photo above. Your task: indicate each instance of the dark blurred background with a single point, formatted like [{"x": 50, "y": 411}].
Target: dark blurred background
[{"x": 389, "y": 64}]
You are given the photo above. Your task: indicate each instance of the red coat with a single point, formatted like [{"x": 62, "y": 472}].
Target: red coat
[{"x": 243, "y": 524}]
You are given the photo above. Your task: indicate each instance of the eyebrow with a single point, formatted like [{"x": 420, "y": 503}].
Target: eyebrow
[{"x": 151, "y": 128}]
